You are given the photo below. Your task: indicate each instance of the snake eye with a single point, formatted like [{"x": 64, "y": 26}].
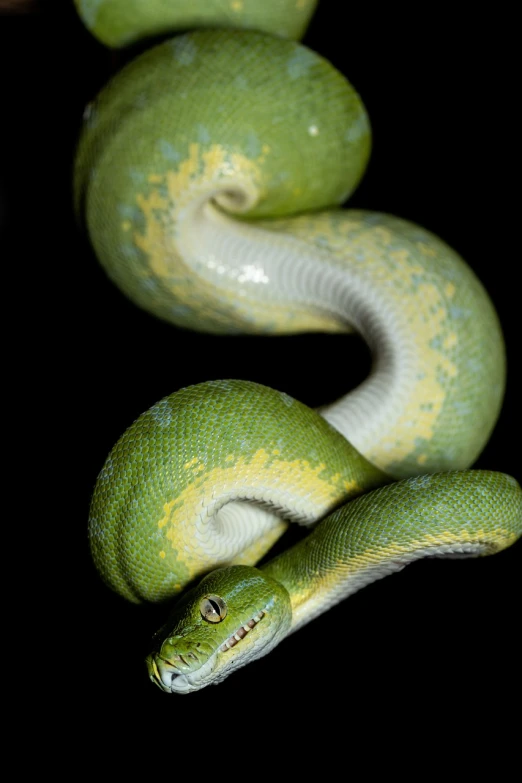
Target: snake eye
[{"x": 213, "y": 608}]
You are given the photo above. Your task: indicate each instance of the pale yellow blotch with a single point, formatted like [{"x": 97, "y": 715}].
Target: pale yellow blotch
[
  {"x": 383, "y": 235},
  {"x": 401, "y": 440},
  {"x": 126, "y": 225},
  {"x": 450, "y": 341},
  {"x": 164, "y": 519},
  {"x": 265, "y": 149},
  {"x": 213, "y": 159},
  {"x": 426, "y": 249},
  {"x": 191, "y": 462},
  {"x": 199, "y": 468},
  {"x": 448, "y": 367},
  {"x": 149, "y": 205},
  {"x": 162, "y": 554},
  {"x": 320, "y": 587},
  {"x": 450, "y": 290},
  {"x": 229, "y": 458},
  {"x": 400, "y": 256},
  {"x": 421, "y": 459},
  {"x": 313, "y": 490},
  {"x": 351, "y": 225},
  {"x": 425, "y": 315},
  {"x": 499, "y": 537},
  {"x": 276, "y": 451},
  {"x": 155, "y": 178},
  {"x": 236, "y": 5},
  {"x": 351, "y": 486},
  {"x": 199, "y": 174}
]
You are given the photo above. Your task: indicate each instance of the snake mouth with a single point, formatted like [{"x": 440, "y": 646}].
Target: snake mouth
[
  {"x": 242, "y": 632},
  {"x": 167, "y": 676}
]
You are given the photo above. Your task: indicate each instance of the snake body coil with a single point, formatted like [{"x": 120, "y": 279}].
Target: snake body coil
[{"x": 209, "y": 174}]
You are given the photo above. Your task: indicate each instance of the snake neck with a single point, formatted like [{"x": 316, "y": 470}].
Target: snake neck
[{"x": 433, "y": 516}]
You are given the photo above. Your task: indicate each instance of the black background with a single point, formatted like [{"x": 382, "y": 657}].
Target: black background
[{"x": 439, "y": 91}]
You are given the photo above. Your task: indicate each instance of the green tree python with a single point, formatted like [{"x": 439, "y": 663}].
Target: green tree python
[{"x": 210, "y": 174}]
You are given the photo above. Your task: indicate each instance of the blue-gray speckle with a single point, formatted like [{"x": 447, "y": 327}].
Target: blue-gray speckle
[
  {"x": 252, "y": 145},
  {"x": 128, "y": 211},
  {"x": 89, "y": 11},
  {"x": 168, "y": 151},
  {"x": 300, "y": 63},
  {"x": 288, "y": 401},
  {"x": 162, "y": 413},
  {"x": 137, "y": 176},
  {"x": 203, "y": 134},
  {"x": 418, "y": 482},
  {"x": 241, "y": 82},
  {"x": 129, "y": 251},
  {"x": 458, "y": 312},
  {"x": 184, "y": 50}
]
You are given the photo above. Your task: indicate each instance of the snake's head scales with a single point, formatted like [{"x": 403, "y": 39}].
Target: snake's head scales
[{"x": 235, "y": 615}]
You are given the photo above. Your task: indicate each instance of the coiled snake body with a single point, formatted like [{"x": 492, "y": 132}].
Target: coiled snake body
[{"x": 209, "y": 174}]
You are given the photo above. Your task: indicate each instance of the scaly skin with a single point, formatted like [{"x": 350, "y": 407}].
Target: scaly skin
[
  {"x": 208, "y": 175},
  {"x": 162, "y": 510},
  {"x": 118, "y": 23},
  {"x": 160, "y": 147},
  {"x": 448, "y": 514}
]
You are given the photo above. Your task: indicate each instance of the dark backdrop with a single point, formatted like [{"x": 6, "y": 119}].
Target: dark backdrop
[{"x": 440, "y": 93}]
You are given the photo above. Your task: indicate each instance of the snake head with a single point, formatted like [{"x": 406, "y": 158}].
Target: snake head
[{"x": 235, "y": 615}]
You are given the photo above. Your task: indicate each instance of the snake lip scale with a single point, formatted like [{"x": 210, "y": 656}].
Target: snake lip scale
[{"x": 242, "y": 632}]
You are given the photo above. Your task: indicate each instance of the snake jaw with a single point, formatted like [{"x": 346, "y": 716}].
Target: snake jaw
[
  {"x": 176, "y": 674},
  {"x": 169, "y": 676},
  {"x": 164, "y": 673},
  {"x": 170, "y": 679},
  {"x": 242, "y": 631}
]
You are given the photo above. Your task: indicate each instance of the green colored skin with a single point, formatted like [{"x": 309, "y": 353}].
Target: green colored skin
[
  {"x": 118, "y": 23},
  {"x": 178, "y": 93},
  {"x": 143, "y": 147},
  {"x": 238, "y": 111},
  {"x": 365, "y": 540},
  {"x": 221, "y": 425},
  {"x": 215, "y": 425}
]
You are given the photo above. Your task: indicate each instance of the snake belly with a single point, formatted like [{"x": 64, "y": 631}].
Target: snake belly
[{"x": 209, "y": 176}]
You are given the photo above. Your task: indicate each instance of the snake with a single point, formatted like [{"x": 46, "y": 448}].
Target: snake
[{"x": 210, "y": 176}]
